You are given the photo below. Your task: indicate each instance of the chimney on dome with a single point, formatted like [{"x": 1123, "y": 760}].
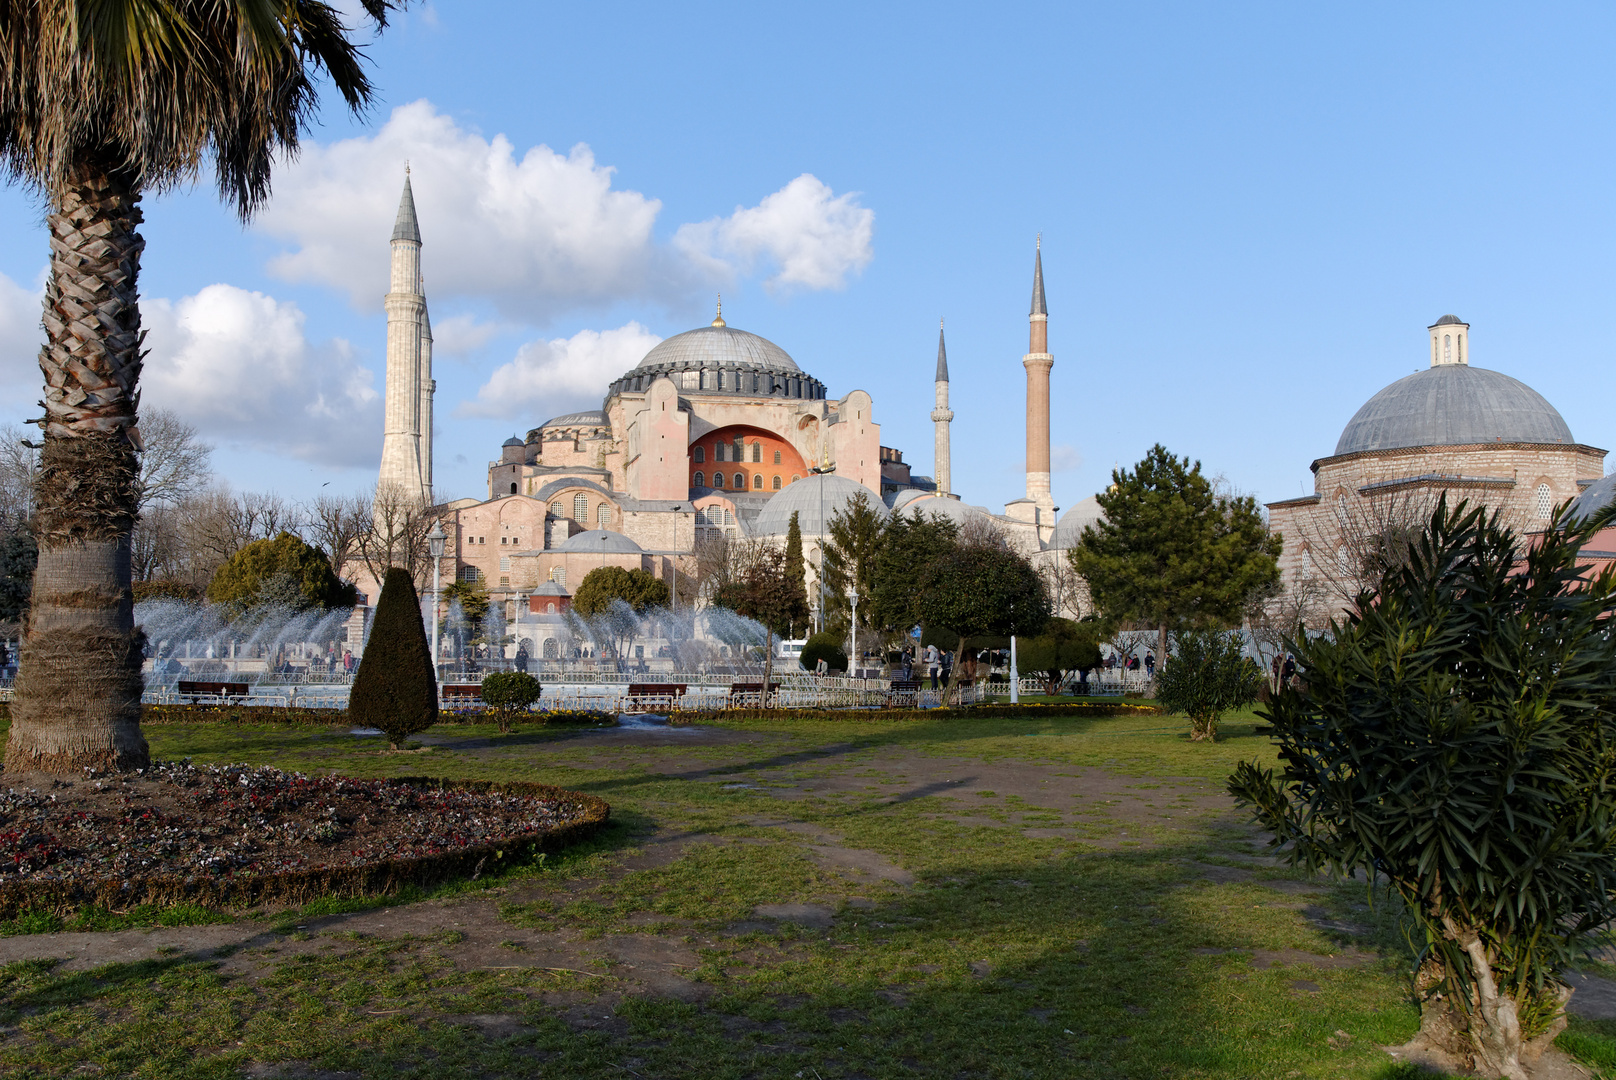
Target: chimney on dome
[{"x": 1450, "y": 341}]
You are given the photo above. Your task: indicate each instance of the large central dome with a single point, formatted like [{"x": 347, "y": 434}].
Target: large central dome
[
  {"x": 720, "y": 359},
  {"x": 1453, "y": 405}
]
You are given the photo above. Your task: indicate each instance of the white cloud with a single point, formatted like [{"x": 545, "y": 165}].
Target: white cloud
[
  {"x": 538, "y": 233},
  {"x": 461, "y": 335},
  {"x": 549, "y": 378},
  {"x": 239, "y": 366},
  {"x": 815, "y": 237},
  {"x": 20, "y": 338}
]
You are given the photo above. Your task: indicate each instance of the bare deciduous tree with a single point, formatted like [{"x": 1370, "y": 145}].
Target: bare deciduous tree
[
  {"x": 335, "y": 524},
  {"x": 396, "y": 533},
  {"x": 19, "y": 467},
  {"x": 174, "y": 463}
]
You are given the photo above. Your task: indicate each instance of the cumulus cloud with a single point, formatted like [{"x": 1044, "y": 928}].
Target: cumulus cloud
[
  {"x": 239, "y": 366},
  {"x": 538, "y": 232},
  {"x": 548, "y": 378},
  {"x": 461, "y": 335},
  {"x": 814, "y": 237}
]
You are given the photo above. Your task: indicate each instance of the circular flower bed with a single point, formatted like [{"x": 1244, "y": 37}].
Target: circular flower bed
[{"x": 236, "y": 834}]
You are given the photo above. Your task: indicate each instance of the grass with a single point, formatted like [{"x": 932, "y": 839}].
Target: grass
[{"x": 1110, "y": 932}]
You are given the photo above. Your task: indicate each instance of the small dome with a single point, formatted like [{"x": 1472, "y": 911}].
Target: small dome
[
  {"x": 1595, "y": 497},
  {"x": 1069, "y": 529},
  {"x": 806, "y": 497},
  {"x": 1453, "y": 405},
  {"x": 598, "y": 541},
  {"x": 940, "y": 506},
  {"x": 595, "y": 417},
  {"x": 551, "y": 588},
  {"x": 513, "y": 441},
  {"x": 1449, "y": 320}
]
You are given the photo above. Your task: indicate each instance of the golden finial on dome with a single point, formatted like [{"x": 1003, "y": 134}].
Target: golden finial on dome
[{"x": 718, "y": 320}]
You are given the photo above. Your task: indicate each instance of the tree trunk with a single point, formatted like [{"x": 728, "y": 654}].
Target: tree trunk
[
  {"x": 1161, "y": 646},
  {"x": 953, "y": 676},
  {"x": 768, "y": 666},
  {"x": 78, "y": 687},
  {"x": 1487, "y": 1036}
]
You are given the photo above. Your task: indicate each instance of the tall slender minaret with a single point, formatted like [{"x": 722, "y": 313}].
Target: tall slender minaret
[
  {"x": 407, "y": 429},
  {"x": 1038, "y": 361},
  {"x": 942, "y": 416}
]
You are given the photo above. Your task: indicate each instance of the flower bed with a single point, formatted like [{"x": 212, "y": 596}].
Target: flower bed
[
  {"x": 273, "y": 714},
  {"x": 235, "y": 835}
]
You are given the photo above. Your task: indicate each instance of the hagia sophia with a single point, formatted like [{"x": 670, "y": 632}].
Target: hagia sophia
[{"x": 719, "y": 431}]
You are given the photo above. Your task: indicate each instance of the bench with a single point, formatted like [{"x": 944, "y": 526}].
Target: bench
[
  {"x": 903, "y": 693},
  {"x": 643, "y": 697},
  {"x": 462, "y": 693},
  {"x": 750, "y": 695},
  {"x": 190, "y": 689}
]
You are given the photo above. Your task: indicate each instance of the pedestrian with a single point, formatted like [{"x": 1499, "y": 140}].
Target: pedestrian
[
  {"x": 1289, "y": 671},
  {"x": 908, "y": 664},
  {"x": 932, "y": 665},
  {"x": 347, "y": 661},
  {"x": 947, "y": 666},
  {"x": 1150, "y": 664},
  {"x": 521, "y": 658}
]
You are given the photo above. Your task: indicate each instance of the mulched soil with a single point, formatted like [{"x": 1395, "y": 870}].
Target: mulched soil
[{"x": 194, "y": 821}]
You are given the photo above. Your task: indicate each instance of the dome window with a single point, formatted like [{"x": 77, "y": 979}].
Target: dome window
[
  {"x": 757, "y": 452},
  {"x": 777, "y": 483},
  {"x": 700, "y": 480},
  {"x": 699, "y": 455},
  {"x": 580, "y": 508},
  {"x": 718, "y": 450},
  {"x": 555, "y": 509},
  {"x": 757, "y": 481},
  {"x": 718, "y": 479},
  {"x": 603, "y": 514},
  {"x": 1545, "y": 501},
  {"x": 777, "y": 461},
  {"x": 740, "y": 480}
]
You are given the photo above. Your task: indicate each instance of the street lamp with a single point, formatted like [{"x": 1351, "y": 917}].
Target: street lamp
[
  {"x": 434, "y": 540},
  {"x": 819, "y": 584},
  {"x": 852, "y": 596}
]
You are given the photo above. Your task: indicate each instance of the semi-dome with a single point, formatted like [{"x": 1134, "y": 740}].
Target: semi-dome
[
  {"x": 599, "y": 541},
  {"x": 720, "y": 359},
  {"x": 1453, "y": 405},
  {"x": 1069, "y": 529},
  {"x": 815, "y": 500}
]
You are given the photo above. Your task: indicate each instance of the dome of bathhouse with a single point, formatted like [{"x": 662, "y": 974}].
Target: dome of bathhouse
[
  {"x": 721, "y": 359},
  {"x": 1453, "y": 405},
  {"x": 815, "y": 500},
  {"x": 599, "y": 541},
  {"x": 1595, "y": 497},
  {"x": 1069, "y": 529}
]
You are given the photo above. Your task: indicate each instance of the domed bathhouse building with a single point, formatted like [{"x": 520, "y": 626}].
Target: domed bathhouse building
[{"x": 1467, "y": 432}]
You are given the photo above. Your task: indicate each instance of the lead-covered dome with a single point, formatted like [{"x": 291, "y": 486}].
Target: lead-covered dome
[
  {"x": 1069, "y": 529},
  {"x": 815, "y": 500},
  {"x": 1453, "y": 405},
  {"x": 599, "y": 542},
  {"x": 720, "y": 359}
]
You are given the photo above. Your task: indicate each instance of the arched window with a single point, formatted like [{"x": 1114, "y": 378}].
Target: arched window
[
  {"x": 777, "y": 457},
  {"x": 757, "y": 481},
  {"x": 718, "y": 479},
  {"x": 740, "y": 480},
  {"x": 1545, "y": 501},
  {"x": 795, "y": 478},
  {"x": 699, "y": 455},
  {"x": 718, "y": 451},
  {"x": 603, "y": 514},
  {"x": 1343, "y": 560},
  {"x": 777, "y": 483},
  {"x": 700, "y": 480},
  {"x": 757, "y": 451},
  {"x": 580, "y": 508},
  {"x": 549, "y": 609},
  {"x": 513, "y": 488},
  {"x": 551, "y": 649},
  {"x": 740, "y": 448},
  {"x": 1447, "y": 348},
  {"x": 1307, "y": 565},
  {"x": 555, "y": 509},
  {"x": 1341, "y": 509}
]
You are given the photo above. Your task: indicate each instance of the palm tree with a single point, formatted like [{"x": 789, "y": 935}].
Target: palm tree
[{"x": 100, "y": 101}]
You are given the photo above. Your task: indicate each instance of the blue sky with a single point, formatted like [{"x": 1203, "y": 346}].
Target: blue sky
[{"x": 1250, "y": 213}]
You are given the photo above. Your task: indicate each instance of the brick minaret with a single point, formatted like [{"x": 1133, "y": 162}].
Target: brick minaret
[
  {"x": 407, "y": 429},
  {"x": 941, "y": 417},
  {"x": 1038, "y": 361}
]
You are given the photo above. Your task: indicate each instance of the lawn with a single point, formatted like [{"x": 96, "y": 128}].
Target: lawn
[{"x": 869, "y": 898}]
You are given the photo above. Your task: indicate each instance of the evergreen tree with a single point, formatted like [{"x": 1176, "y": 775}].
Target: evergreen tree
[
  {"x": 850, "y": 555},
  {"x": 908, "y": 546},
  {"x": 639, "y": 589},
  {"x": 976, "y": 591},
  {"x": 396, "y": 690},
  {"x": 769, "y": 594},
  {"x": 18, "y": 556},
  {"x": 795, "y": 567},
  {"x": 282, "y": 571},
  {"x": 1173, "y": 553},
  {"x": 1064, "y": 646}
]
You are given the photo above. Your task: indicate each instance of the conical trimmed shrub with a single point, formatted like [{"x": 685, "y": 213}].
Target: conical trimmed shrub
[{"x": 396, "y": 690}]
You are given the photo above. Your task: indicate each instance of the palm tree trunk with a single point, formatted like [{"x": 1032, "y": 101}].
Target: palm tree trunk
[{"x": 78, "y": 687}]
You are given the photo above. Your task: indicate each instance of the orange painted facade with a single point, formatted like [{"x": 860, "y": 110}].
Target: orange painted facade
[{"x": 737, "y": 457}]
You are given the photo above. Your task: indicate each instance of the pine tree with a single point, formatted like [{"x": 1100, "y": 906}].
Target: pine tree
[{"x": 396, "y": 690}]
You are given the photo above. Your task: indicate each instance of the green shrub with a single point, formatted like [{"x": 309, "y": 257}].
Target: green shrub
[
  {"x": 825, "y": 645},
  {"x": 1455, "y": 741},
  {"x": 509, "y": 693},
  {"x": 283, "y": 570},
  {"x": 396, "y": 690},
  {"x": 1208, "y": 675}
]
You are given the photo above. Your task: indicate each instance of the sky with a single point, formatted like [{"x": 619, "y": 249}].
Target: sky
[{"x": 1250, "y": 213}]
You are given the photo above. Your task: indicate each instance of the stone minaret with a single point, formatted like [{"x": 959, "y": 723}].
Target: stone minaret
[
  {"x": 941, "y": 417},
  {"x": 1038, "y": 361},
  {"x": 407, "y": 429}
]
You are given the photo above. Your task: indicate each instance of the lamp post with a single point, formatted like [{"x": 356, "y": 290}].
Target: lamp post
[
  {"x": 819, "y": 583},
  {"x": 852, "y": 661},
  {"x": 1015, "y": 675},
  {"x": 434, "y": 540}
]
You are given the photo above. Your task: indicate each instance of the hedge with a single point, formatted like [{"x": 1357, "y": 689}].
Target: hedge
[
  {"x": 1031, "y": 711},
  {"x": 275, "y": 714},
  {"x": 294, "y": 887}
]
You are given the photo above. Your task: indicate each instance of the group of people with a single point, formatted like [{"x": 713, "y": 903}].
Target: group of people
[{"x": 936, "y": 664}]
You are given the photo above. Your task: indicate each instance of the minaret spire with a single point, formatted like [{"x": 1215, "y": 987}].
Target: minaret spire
[
  {"x": 1039, "y": 505},
  {"x": 942, "y": 416},
  {"x": 406, "y": 465}
]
